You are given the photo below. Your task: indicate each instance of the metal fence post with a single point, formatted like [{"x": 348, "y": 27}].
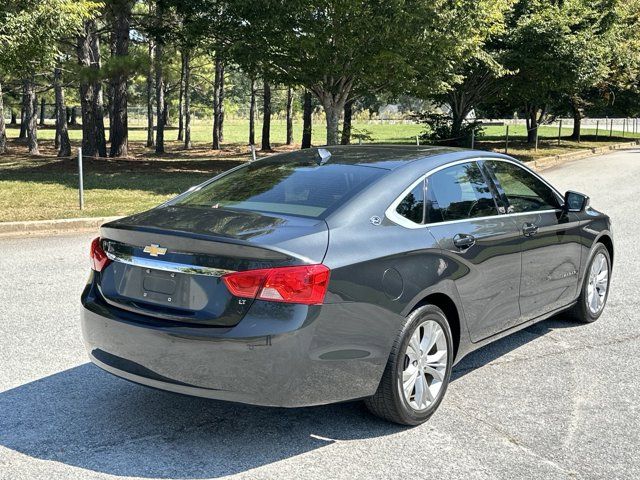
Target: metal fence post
[
  {"x": 559, "y": 132},
  {"x": 537, "y": 130},
  {"x": 597, "y": 128},
  {"x": 624, "y": 126},
  {"x": 506, "y": 144},
  {"x": 80, "y": 177},
  {"x": 253, "y": 152},
  {"x": 418, "y": 140},
  {"x": 611, "y": 129},
  {"x": 473, "y": 138}
]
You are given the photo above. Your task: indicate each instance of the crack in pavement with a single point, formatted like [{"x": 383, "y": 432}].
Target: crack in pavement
[{"x": 515, "y": 441}]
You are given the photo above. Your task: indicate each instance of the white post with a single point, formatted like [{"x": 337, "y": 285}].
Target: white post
[
  {"x": 253, "y": 152},
  {"x": 473, "y": 138},
  {"x": 418, "y": 140},
  {"x": 80, "y": 177}
]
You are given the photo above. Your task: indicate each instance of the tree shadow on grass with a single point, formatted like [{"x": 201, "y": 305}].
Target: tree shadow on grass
[{"x": 161, "y": 177}]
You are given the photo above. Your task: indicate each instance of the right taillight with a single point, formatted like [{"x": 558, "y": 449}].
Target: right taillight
[
  {"x": 306, "y": 284},
  {"x": 99, "y": 258}
]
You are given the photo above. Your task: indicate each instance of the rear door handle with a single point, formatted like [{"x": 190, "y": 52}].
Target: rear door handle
[
  {"x": 529, "y": 229},
  {"x": 463, "y": 240}
]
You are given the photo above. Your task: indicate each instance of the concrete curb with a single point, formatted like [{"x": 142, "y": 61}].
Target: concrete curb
[
  {"x": 73, "y": 225},
  {"x": 547, "y": 162},
  {"x": 52, "y": 227}
]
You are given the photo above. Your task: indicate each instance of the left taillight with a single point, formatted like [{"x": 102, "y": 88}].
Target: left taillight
[
  {"x": 99, "y": 258},
  {"x": 306, "y": 284}
]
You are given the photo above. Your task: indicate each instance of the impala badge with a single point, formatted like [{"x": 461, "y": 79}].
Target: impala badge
[{"x": 154, "y": 250}]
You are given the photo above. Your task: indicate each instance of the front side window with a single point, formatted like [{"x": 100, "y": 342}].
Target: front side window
[
  {"x": 457, "y": 193},
  {"x": 412, "y": 206},
  {"x": 524, "y": 191}
]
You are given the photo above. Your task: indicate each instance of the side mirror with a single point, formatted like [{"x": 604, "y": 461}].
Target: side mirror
[{"x": 575, "y": 201}]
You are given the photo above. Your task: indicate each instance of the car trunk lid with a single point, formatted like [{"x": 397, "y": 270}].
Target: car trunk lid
[{"x": 168, "y": 262}]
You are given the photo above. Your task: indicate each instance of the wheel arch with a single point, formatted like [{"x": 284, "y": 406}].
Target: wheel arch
[
  {"x": 607, "y": 241},
  {"x": 445, "y": 303}
]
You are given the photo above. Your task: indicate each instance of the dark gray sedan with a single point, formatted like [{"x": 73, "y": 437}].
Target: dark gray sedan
[{"x": 342, "y": 273}]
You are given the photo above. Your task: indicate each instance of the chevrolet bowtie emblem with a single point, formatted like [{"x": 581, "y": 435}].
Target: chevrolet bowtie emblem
[{"x": 154, "y": 250}]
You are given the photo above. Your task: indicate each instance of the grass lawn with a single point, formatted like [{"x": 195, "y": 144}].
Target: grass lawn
[{"x": 45, "y": 187}]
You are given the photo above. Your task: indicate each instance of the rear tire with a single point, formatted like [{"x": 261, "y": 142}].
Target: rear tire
[
  {"x": 422, "y": 354},
  {"x": 595, "y": 287}
]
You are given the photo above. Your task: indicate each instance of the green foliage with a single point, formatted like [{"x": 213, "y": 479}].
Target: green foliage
[
  {"x": 30, "y": 31},
  {"x": 558, "y": 49},
  {"x": 439, "y": 129}
]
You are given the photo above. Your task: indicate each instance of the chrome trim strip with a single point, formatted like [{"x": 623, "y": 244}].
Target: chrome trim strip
[
  {"x": 169, "y": 266},
  {"x": 395, "y": 217}
]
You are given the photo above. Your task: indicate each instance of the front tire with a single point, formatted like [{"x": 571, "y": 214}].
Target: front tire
[
  {"x": 595, "y": 287},
  {"x": 418, "y": 371}
]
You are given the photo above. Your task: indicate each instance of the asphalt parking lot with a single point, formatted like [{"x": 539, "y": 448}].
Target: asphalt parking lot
[{"x": 557, "y": 400}]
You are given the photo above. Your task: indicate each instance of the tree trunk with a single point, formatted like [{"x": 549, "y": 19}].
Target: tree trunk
[
  {"x": 88, "y": 49},
  {"x": 289, "y": 116},
  {"x": 43, "y": 106},
  {"x": 56, "y": 141},
  {"x": 306, "y": 120},
  {"x": 3, "y": 130},
  {"x": 252, "y": 113},
  {"x": 97, "y": 101},
  {"x": 119, "y": 133},
  {"x": 346, "y": 124},
  {"x": 160, "y": 110},
  {"x": 577, "y": 119},
  {"x": 31, "y": 118},
  {"x": 456, "y": 125},
  {"x": 221, "y": 107},
  {"x": 333, "y": 118},
  {"x": 62, "y": 135},
  {"x": 150, "y": 139},
  {"x": 266, "y": 116},
  {"x": 333, "y": 104},
  {"x": 14, "y": 118},
  {"x": 187, "y": 100},
  {"x": 23, "y": 113},
  {"x": 218, "y": 98},
  {"x": 181, "y": 96},
  {"x": 73, "y": 118}
]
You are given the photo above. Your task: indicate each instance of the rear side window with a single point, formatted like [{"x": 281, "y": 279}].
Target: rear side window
[
  {"x": 457, "y": 193},
  {"x": 524, "y": 191},
  {"x": 296, "y": 188},
  {"x": 412, "y": 206}
]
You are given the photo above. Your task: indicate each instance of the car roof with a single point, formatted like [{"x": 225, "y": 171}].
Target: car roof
[{"x": 388, "y": 157}]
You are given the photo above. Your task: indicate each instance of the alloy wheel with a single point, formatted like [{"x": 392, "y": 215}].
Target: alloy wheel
[
  {"x": 598, "y": 283},
  {"x": 425, "y": 365}
]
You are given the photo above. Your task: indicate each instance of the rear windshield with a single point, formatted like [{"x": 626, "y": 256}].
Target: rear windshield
[{"x": 295, "y": 188}]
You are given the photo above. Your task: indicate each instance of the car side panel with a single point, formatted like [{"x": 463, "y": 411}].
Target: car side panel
[
  {"x": 392, "y": 267},
  {"x": 550, "y": 262},
  {"x": 487, "y": 274}
]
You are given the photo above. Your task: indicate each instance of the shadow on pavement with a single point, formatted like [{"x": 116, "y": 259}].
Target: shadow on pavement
[
  {"x": 495, "y": 350},
  {"x": 86, "y": 418}
]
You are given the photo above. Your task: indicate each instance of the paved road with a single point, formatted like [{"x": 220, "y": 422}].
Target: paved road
[{"x": 557, "y": 400}]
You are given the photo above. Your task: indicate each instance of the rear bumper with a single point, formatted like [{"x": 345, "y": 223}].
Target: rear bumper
[{"x": 278, "y": 355}]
